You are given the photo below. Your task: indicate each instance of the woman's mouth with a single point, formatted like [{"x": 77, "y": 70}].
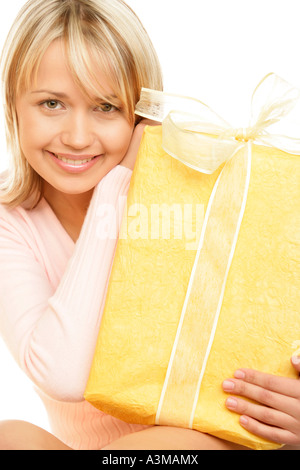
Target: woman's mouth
[
  {"x": 74, "y": 164},
  {"x": 71, "y": 161}
]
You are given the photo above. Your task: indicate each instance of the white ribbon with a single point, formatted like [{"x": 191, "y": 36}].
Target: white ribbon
[{"x": 194, "y": 134}]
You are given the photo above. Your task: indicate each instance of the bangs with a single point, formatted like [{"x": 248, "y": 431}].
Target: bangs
[
  {"x": 88, "y": 57},
  {"x": 89, "y": 53},
  {"x": 87, "y": 65}
]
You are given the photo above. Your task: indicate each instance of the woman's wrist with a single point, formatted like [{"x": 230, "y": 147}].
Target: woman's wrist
[{"x": 130, "y": 157}]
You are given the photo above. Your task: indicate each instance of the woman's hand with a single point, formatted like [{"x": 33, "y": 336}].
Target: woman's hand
[
  {"x": 130, "y": 157},
  {"x": 276, "y": 414}
]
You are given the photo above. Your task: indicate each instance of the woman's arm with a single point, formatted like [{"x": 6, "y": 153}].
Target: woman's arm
[{"x": 52, "y": 334}]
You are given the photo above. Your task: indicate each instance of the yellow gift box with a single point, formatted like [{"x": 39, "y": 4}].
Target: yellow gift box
[{"x": 206, "y": 276}]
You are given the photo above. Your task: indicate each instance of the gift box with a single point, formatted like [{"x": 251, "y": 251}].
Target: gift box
[{"x": 206, "y": 276}]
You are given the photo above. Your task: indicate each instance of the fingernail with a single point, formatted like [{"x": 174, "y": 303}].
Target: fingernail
[
  {"x": 296, "y": 359},
  {"x": 231, "y": 403},
  {"x": 239, "y": 374},
  {"x": 243, "y": 420},
  {"x": 228, "y": 385}
]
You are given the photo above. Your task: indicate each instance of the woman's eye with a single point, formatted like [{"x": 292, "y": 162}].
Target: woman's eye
[
  {"x": 107, "y": 108},
  {"x": 51, "y": 104}
]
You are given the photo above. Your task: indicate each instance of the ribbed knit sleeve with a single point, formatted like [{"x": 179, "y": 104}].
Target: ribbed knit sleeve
[{"x": 53, "y": 336}]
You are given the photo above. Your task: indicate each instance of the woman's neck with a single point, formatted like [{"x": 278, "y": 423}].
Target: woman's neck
[{"x": 70, "y": 209}]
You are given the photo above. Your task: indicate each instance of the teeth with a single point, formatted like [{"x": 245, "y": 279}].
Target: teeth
[{"x": 73, "y": 162}]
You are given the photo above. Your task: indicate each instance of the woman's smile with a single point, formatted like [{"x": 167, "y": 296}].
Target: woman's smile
[{"x": 74, "y": 163}]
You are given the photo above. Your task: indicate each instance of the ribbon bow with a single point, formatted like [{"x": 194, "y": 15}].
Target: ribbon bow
[{"x": 194, "y": 134}]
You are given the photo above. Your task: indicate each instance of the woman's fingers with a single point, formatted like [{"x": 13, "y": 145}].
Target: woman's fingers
[
  {"x": 272, "y": 406},
  {"x": 265, "y": 414},
  {"x": 274, "y": 383},
  {"x": 266, "y": 392},
  {"x": 271, "y": 433}
]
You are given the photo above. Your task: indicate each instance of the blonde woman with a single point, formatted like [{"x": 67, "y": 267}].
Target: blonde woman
[{"x": 72, "y": 73}]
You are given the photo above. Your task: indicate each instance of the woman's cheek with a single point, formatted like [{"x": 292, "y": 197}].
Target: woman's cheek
[{"x": 120, "y": 139}]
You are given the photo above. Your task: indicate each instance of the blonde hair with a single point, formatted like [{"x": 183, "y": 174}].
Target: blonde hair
[{"x": 105, "y": 30}]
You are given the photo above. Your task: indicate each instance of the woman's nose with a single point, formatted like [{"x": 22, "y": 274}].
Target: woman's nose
[{"x": 78, "y": 131}]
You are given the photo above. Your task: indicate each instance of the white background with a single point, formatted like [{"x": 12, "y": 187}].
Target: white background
[{"x": 214, "y": 50}]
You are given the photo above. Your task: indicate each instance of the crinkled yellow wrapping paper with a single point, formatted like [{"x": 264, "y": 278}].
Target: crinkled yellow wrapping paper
[{"x": 259, "y": 322}]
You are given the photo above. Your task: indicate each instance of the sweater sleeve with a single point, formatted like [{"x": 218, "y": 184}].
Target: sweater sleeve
[{"x": 53, "y": 337}]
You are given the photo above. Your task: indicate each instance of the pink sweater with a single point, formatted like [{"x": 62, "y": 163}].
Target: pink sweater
[{"x": 52, "y": 294}]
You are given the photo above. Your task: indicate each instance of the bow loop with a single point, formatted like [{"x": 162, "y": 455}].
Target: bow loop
[
  {"x": 272, "y": 100},
  {"x": 197, "y": 136}
]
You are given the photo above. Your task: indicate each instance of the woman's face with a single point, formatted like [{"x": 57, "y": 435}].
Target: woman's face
[{"x": 71, "y": 142}]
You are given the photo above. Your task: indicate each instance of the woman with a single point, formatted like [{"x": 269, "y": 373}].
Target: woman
[{"x": 73, "y": 71}]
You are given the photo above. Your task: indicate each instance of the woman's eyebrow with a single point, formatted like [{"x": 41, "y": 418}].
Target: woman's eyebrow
[
  {"x": 51, "y": 92},
  {"x": 107, "y": 98},
  {"x": 64, "y": 95}
]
